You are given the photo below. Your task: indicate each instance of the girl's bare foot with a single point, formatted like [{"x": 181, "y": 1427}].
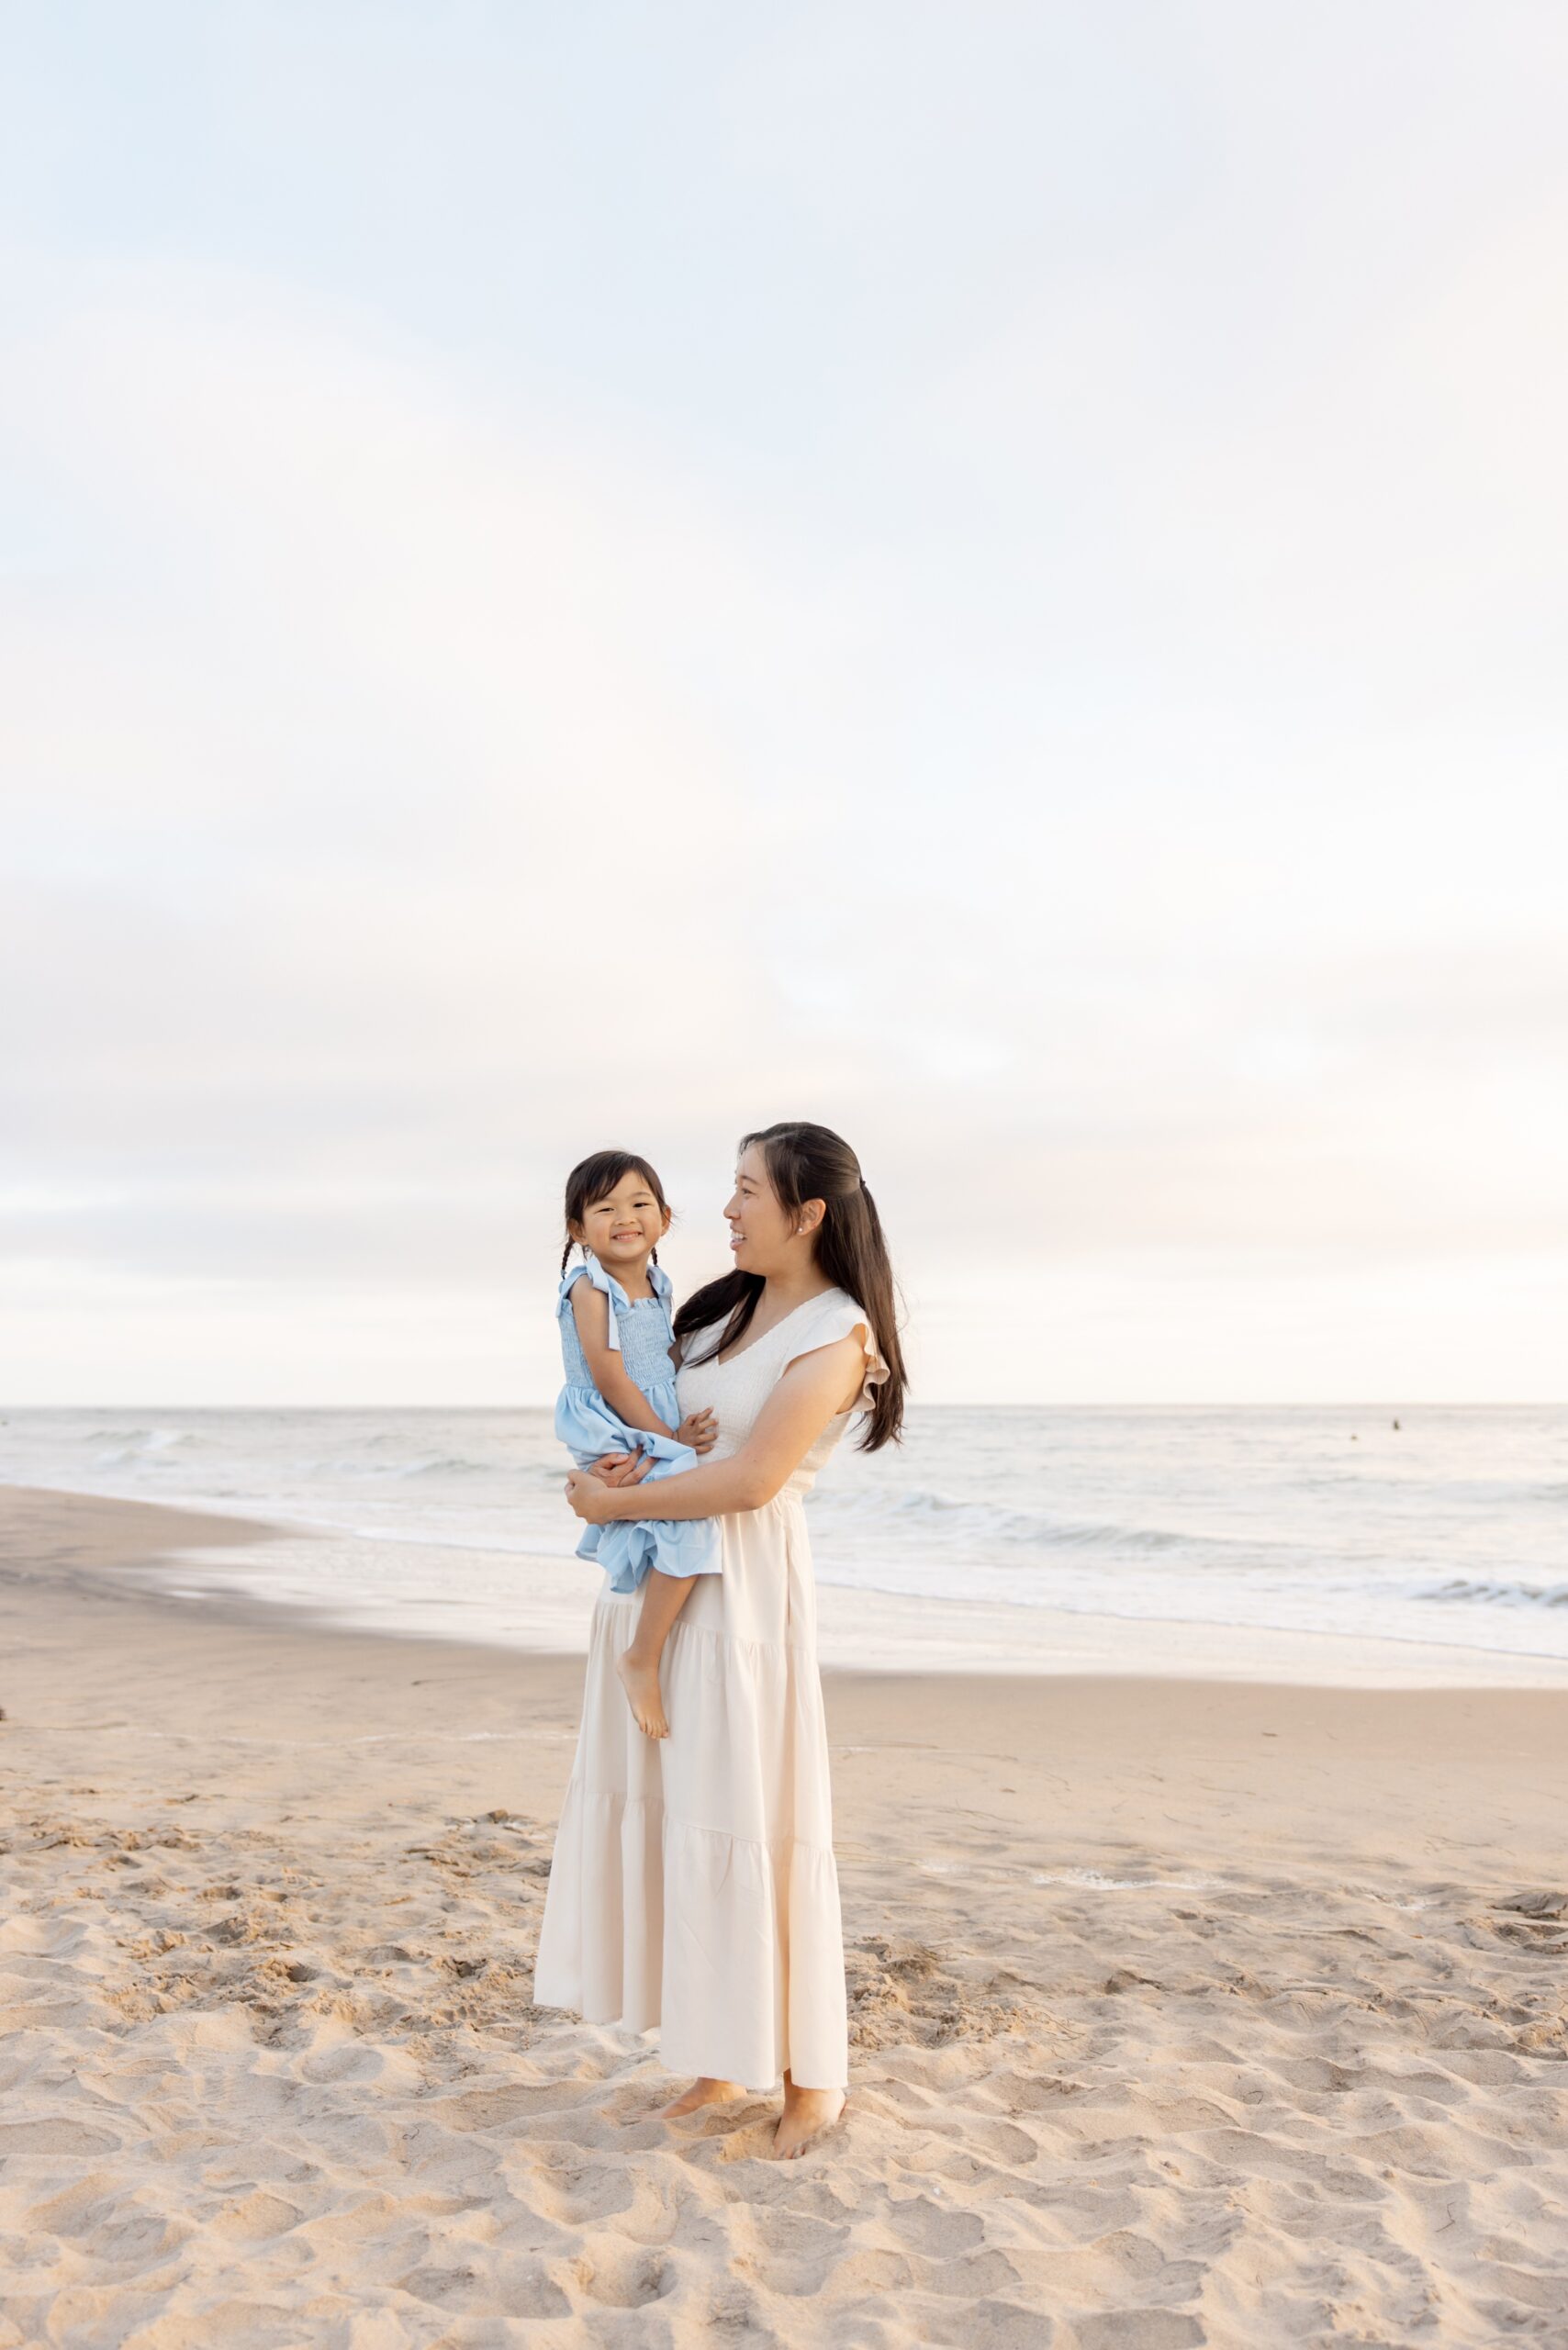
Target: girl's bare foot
[
  {"x": 806, "y": 2112},
  {"x": 641, "y": 1683},
  {"x": 700, "y": 2093}
]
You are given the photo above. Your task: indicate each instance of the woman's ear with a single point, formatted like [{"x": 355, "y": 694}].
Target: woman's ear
[{"x": 812, "y": 1215}]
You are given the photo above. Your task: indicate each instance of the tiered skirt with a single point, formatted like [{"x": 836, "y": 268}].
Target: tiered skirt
[{"x": 693, "y": 1888}]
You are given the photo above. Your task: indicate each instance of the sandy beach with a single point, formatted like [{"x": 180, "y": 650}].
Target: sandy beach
[{"x": 1185, "y": 2012}]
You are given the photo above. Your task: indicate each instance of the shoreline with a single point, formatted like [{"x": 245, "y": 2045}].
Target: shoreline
[
  {"x": 208, "y": 1558},
  {"x": 1180, "y": 2009},
  {"x": 102, "y": 1564}
]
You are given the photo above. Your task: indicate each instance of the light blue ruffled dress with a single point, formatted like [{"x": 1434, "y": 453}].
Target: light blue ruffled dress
[{"x": 642, "y": 1334}]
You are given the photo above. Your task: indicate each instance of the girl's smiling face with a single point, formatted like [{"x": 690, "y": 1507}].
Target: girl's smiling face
[
  {"x": 625, "y": 1226},
  {"x": 764, "y": 1236}
]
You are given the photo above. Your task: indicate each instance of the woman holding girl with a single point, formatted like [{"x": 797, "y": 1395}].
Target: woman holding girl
[{"x": 693, "y": 1886}]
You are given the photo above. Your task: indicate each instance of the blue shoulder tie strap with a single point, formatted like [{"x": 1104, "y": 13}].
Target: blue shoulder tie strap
[{"x": 611, "y": 1290}]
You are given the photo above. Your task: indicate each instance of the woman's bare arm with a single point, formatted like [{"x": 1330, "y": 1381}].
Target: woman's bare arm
[{"x": 811, "y": 1393}]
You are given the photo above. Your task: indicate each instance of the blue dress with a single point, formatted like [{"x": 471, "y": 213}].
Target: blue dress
[{"x": 642, "y": 1336}]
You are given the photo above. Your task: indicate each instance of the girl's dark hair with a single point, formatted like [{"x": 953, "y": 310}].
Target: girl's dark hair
[
  {"x": 807, "y": 1162},
  {"x": 595, "y": 1178}
]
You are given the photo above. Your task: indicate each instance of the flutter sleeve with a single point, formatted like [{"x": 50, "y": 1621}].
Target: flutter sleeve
[
  {"x": 608, "y": 1288},
  {"x": 839, "y": 1316}
]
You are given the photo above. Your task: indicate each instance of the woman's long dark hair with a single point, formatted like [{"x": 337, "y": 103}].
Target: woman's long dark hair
[{"x": 807, "y": 1162}]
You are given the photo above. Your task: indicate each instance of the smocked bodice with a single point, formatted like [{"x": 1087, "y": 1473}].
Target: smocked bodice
[{"x": 639, "y": 1329}]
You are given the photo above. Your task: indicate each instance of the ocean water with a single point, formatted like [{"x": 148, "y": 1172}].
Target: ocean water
[{"x": 1449, "y": 1529}]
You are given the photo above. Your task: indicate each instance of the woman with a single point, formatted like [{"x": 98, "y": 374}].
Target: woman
[{"x": 693, "y": 1885}]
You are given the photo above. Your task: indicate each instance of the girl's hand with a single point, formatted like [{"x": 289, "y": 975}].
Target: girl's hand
[{"x": 700, "y": 1430}]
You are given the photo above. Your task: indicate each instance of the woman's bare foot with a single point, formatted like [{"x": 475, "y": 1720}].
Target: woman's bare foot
[
  {"x": 806, "y": 2112},
  {"x": 641, "y": 1683},
  {"x": 700, "y": 2093}
]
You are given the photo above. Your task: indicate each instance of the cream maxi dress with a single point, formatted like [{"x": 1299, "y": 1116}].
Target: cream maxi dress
[{"x": 693, "y": 1885}]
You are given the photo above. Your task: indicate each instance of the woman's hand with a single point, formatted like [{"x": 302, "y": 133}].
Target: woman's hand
[
  {"x": 591, "y": 1492},
  {"x": 588, "y": 1496},
  {"x": 700, "y": 1430}
]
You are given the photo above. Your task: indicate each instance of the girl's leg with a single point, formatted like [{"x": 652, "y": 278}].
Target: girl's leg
[{"x": 663, "y": 1599}]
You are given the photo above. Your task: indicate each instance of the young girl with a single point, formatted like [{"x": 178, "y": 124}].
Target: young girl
[{"x": 614, "y": 1312}]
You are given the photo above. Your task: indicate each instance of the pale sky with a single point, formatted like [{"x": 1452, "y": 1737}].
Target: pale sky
[{"x": 993, "y": 575}]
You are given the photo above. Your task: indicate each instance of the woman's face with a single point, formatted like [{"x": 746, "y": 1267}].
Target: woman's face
[{"x": 764, "y": 1236}]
